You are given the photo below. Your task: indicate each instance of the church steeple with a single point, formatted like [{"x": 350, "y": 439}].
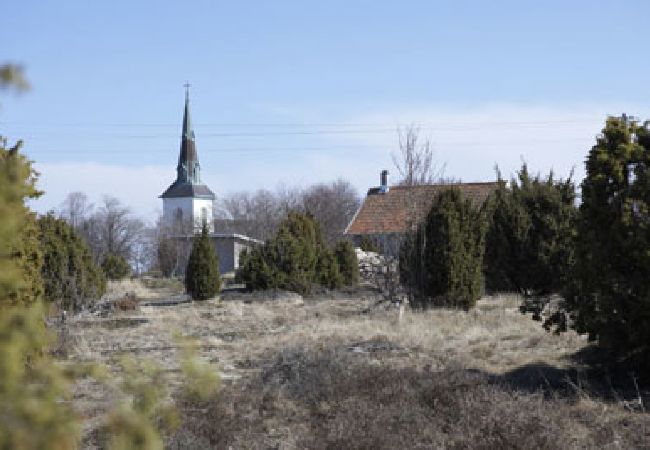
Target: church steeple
[
  {"x": 188, "y": 132},
  {"x": 188, "y": 169}
]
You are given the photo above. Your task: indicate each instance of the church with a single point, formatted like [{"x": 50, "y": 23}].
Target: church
[{"x": 188, "y": 203}]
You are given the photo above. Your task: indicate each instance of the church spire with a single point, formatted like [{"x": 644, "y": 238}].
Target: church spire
[
  {"x": 188, "y": 183},
  {"x": 188, "y": 169},
  {"x": 188, "y": 132}
]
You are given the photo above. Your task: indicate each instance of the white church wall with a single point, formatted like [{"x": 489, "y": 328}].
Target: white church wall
[
  {"x": 186, "y": 209},
  {"x": 202, "y": 210},
  {"x": 175, "y": 209}
]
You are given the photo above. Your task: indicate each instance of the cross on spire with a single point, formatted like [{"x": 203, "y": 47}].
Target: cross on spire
[{"x": 187, "y": 86}]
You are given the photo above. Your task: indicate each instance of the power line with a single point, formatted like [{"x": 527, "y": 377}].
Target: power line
[
  {"x": 202, "y": 135},
  {"x": 392, "y": 126},
  {"x": 236, "y": 149},
  {"x": 307, "y": 149}
]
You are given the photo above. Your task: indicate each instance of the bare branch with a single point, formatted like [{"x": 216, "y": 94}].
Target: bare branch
[{"x": 415, "y": 162}]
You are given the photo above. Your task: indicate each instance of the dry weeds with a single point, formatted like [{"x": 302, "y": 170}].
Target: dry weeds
[{"x": 343, "y": 371}]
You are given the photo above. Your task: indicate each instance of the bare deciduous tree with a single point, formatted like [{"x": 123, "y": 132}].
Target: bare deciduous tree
[
  {"x": 415, "y": 162},
  {"x": 254, "y": 214},
  {"x": 111, "y": 228},
  {"x": 333, "y": 205},
  {"x": 258, "y": 214},
  {"x": 119, "y": 230},
  {"x": 170, "y": 247},
  {"x": 75, "y": 209}
]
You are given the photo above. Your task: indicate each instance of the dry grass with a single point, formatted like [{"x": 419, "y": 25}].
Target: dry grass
[
  {"x": 344, "y": 372},
  {"x": 331, "y": 398}
]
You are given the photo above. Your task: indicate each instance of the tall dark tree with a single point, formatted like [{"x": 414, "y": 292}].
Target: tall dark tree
[
  {"x": 441, "y": 263},
  {"x": 529, "y": 245},
  {"x": 608, "y": 296},
  {"x": 202, "y": 278}
]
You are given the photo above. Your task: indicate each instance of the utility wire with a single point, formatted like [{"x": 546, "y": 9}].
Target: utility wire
[
  {"x": 307, "y": 149},
  {"x": 392, "y": 126}
]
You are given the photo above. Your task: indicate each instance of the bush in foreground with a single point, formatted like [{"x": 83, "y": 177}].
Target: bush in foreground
[
  {"x": 441, "y": 263},
  {"x": 32, "y": 387},
  {"x": 202, "y": 278},
  {"x": 20, "y": 255}
]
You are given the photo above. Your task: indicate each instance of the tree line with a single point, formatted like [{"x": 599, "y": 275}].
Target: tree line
[
  {"x": 585, "y": 267},
  {"x": 112, "y": 230}
]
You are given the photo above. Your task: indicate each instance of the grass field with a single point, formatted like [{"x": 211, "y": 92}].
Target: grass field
[{"x": 343, "y": 371}]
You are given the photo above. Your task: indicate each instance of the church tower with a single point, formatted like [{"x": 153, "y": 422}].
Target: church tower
[{"x": 188, "y": 202}]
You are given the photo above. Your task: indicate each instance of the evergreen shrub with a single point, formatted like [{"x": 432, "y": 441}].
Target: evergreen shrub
[
  {"x": 328, "y": 270},
  {"x": 441, "y": 262},
  {"x": 35, "y": 407},
  {"x": 115, "y": 267},
  {"x": 530, "y": 240},
  {"x": 296, "y": 258},
  {"x": 20, "y": 255},
  {"x": 608, "y": 294},
  {"x": 202, "y": 278},
  {"x": 348, "y": 263},
  {"x": 368, "y": 244},
  {"x": 72, "y": 279}
]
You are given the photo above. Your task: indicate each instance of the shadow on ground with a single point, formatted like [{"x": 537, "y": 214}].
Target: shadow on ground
[{"x": 593, "y": 373}]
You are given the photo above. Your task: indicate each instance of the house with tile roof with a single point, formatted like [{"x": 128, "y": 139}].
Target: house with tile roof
[{"x": 389, "y": 212}]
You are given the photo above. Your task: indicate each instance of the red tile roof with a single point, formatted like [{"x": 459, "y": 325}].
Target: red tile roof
[{"x": 401, "y": 206}]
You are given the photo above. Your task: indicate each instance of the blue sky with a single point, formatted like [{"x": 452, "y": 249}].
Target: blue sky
[{"x": 295, "y": 92}]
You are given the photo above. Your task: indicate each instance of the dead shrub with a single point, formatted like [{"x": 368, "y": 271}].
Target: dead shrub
[{"x": 127, "y": 303}]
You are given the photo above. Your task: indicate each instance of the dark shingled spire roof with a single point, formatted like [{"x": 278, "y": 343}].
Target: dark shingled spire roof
[{"x": 188, "y": 171}]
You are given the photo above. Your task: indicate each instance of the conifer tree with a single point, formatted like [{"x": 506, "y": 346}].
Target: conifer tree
[
  {"x": 115, "y": 267},
  {"x": 202, "y": 279},
  {"x": 295, "y": 259},
  {"x": 368, "y": 244},
  {"x": 329, "y": 274},
  {"x": 72, "y": 279},
  {"x": 608, "y": 295},
  {"x": 529, "y": 244},
  {"x": 348, "y": 263},
  {"x": 254, "y": 270},
  {"x": 441, "y": 263},
  {"x": 20, "y": 255},
  {"x": 32, "y": 387}
]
